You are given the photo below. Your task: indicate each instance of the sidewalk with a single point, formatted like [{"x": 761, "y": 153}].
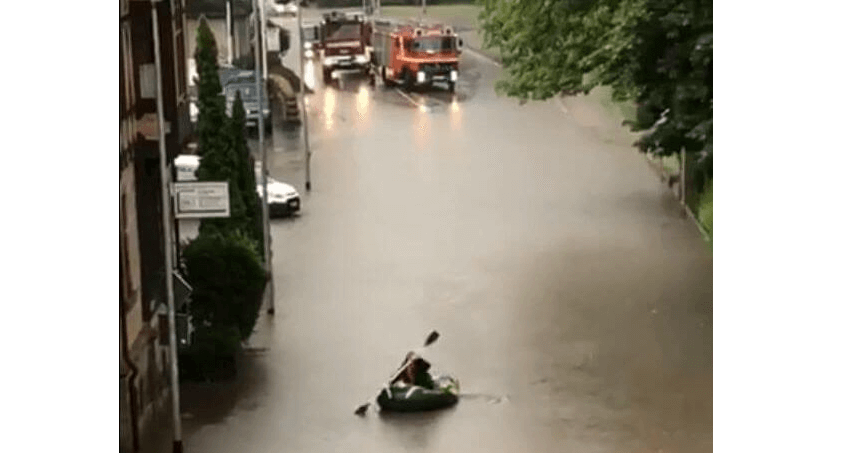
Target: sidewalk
[{"x": 158, "y": 435}]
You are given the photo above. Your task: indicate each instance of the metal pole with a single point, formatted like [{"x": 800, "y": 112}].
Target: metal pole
[
  {"x": 166, "y": 221},
  {"x": 229, "y": 31},
  {"x": 304, "y": 109},
  {"x": 263, "y": 38},
  {"x": 683, "y": 178},
  {"x": 264, "y": 208}
]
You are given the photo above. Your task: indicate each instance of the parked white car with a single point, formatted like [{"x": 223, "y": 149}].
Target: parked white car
[{"x": 284, "y": 198}]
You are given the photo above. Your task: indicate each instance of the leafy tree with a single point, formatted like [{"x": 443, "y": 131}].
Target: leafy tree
[
  {"x": 211, "y": 103},
  {"x": 656, "y": 52},
  {"x": 245, "y": 169},
  {"x": 227, "y": 282},
  {"x": 221, "y": 160}
]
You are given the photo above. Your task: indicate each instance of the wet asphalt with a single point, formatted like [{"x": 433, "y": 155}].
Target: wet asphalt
[{"x": 574, "y": 301}]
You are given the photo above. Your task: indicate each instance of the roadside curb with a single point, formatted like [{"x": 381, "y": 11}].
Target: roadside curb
[
  {"x": 485, "y": 55},
  {"x": 659, "y": 168}
]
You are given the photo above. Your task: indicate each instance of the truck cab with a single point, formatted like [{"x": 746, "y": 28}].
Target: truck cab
[
  {"x": 416, "y": 54},
  {"x": 344, "y": 44}
]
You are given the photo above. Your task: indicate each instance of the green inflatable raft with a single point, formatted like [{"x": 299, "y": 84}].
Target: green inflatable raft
[{"x": 402, "y": 397}]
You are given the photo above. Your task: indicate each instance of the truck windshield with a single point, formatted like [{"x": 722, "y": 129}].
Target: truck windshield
[
  {"x": 343, "y": 32},
  {"x": 311, "y": 33},
  {"x": 433, "y": 44}
]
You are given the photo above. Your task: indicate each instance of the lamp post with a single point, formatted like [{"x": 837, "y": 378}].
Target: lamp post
[
  {"x": 166, "y": 223},
  {"x": 259, "y": 49},
  {"x": 263, "y": 38},
  {"x": 302, "y": 95},
  {"x": 229, "y": 32}
]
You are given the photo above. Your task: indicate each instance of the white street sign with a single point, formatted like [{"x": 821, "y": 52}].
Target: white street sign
[{"x": 201, "y": 199}]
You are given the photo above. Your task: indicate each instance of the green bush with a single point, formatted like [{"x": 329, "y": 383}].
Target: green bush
[
  {"x": 228, "y": 281},
  {"x": 211, "y": 354}
]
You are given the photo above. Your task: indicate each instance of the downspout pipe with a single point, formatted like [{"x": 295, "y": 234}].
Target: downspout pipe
[{"x": 133, "y": 373}]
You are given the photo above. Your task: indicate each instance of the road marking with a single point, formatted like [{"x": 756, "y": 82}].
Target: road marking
[
  {"x": 423, "y": 102},
  {"x": 409, "y": 98},
  {"x": 561, "y": 105},
  {"x": 483, "y": 56}
]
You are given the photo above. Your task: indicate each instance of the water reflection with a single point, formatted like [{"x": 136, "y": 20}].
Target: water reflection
[
  {"x": 308, "y": 76},
  {"x": 422, "y": 123},
  {"x": 362, "y": 102},
  {"x": 329, "y": 101},
  {"x": 455, "y": 114}
]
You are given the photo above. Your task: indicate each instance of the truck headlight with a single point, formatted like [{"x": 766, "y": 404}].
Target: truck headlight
[
  {"x": 421, "y": 76},
  {"x": 453, "y": 75},
  {"x": 361, "y": 59}
]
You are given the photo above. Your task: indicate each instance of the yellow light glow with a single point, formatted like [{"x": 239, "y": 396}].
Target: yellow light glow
[
  {"x": 308, "y": 70},
  {"x": 362, "y": 102},
  {"x": 455, "y": 115},
  {"x": 329, "y": 102}
]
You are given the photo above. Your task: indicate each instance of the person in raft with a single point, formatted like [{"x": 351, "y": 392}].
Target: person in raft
[{"x": 416, "y": 373}]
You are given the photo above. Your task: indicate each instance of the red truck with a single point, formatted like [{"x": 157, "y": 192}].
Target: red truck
[
  {"x": 415, "y": 54},
  {"x": 344, "y": 44}
]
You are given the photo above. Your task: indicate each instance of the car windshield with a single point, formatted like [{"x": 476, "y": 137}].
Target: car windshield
[{"x": 433, "y": 44}]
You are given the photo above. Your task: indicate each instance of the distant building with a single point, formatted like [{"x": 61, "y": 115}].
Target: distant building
[{"x": 214, "y": 13}]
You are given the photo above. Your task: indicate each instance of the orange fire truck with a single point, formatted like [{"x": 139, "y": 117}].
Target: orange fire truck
[{"x": 415, "y": 54}]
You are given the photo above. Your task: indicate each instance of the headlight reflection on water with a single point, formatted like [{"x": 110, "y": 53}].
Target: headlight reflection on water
[
  {"x": 308, "y": 77},
  {"x": 362, "y": 102},
  {"x": 329, "y": 101},
  {"x": 455, "y": 115}
]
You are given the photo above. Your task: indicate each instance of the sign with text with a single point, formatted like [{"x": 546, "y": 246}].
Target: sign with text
[{"x": 201, "y": 199}]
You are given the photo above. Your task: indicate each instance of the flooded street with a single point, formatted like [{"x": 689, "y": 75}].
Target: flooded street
[{"x": 573, "y": 299}]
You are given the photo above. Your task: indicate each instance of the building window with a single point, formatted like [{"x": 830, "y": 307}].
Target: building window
[
  {"x": 164, "y": 331},
  {"x": 179, "y": 63},
  {"x": 165, "y": 367},
  {"x": 131, "y": 284},
  {"x": 147, "y": 80},
  {"x": 129, "y": 74}
]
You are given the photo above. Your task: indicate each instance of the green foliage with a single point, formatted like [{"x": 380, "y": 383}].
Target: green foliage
[
  {"x": 223, "y": 145},
  {"x": 245, "y": 169},
  {"x": 211, "y": 354},
  {"x": 211, "y": 104},
  {"x": 223, "y": 264},
  {"x": 228, "y": 280},
  {"x": 658, "y": 53}
]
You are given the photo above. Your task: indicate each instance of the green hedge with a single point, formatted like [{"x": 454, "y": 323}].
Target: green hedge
[{"x": 228, "y": 283}]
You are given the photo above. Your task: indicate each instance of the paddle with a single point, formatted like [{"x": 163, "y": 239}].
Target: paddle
[{"x": 433, "y": 337}]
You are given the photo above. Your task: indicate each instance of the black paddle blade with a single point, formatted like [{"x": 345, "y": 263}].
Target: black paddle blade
[
  {"x": 433, "y": 337},
  {"x": 362, "y": 409}
]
